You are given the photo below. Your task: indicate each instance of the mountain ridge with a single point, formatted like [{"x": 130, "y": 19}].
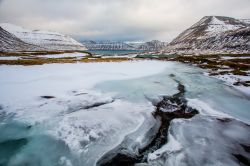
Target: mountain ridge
[
  {"x": 40, "y": 40},
  {"x": 213, "y": 34},
  {"x": 7, "y": 40},
  {"x": 153, "y": 45}
]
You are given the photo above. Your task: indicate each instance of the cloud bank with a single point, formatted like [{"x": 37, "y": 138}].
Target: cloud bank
[{"x": 117, "y": 19}]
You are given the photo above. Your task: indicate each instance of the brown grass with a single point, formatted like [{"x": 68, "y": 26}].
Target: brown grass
[
  {"x": 206, "y": 62},
  {"x": 40, "y": 61},
  {"x": 236, "y": 66},
  {"x": 40, "y": 53}
]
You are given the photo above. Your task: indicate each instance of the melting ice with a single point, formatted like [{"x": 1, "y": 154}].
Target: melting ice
[{"x": 94, "y": 108}]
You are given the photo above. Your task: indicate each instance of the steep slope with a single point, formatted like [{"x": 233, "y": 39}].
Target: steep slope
[
  {"x": 45, "y": 39},
  {"x": 214, "y": 34},
  {"x": 10, "y": 43}
]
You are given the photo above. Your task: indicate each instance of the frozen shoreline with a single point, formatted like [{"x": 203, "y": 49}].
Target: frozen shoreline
[
  {"x": 230, "y": 79},
  {"x": 93, "y": 107}
]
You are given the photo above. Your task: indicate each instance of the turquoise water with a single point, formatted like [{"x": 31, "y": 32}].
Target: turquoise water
[
  {"x": 209, "y": 90},
  {"x": 114, "y": 52}
]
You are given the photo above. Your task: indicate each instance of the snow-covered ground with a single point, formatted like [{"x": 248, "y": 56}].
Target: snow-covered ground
[
  {"x": 230, "y": 79},
  {"x": 64, "y": 55},
  {"x": 72, "y": 114},
  {"x": 9, "y": 58},
  {"x": 235, "y": 57}
]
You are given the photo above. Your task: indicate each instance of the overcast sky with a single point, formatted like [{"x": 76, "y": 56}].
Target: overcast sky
[{"x": 117, "y": 19}]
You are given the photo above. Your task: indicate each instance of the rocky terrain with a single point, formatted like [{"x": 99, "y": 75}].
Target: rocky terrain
[
  {"x": 179, "y": 110},
  {"x": 15, "y": 38},
  {"x": 153, "y": 45},
  {"x": 213, "y": 34}
]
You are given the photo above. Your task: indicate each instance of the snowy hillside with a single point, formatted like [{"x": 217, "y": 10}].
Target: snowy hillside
[
  {"x": 214, "y": 34},
  {"x": 10, "y": 43},
  {"x": 44, "y": 39}
]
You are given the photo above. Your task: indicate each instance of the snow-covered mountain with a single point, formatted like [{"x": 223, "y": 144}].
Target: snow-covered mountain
[
  {"x": 153, "y": 45},
  {"x": 107, "y": 45},
  {"x": 43, "y": 39},
  {"x": 10, "y": 43},
  {"x": 117, "y": 45},
  {"x": 213, "y": 34}
]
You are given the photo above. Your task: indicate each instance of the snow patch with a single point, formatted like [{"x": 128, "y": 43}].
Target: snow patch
[
  {"x": 230, "y": 79},
  {"x": 205, "y": 109},
  {"x": 64, "y": 55},
  {"x": 217, "y": 26},
  {"x": 169, "y": 149},
  {"x": 228, "y": 57},
  {"x": 9, "y": 58}
]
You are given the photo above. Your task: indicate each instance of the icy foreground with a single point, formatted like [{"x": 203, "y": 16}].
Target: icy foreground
[{"x": 84, "y": 114}]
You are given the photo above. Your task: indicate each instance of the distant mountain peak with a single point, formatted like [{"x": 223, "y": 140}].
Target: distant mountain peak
[
  {"x": 214, "y": 32},
  {"x": 153, "y": 45}
]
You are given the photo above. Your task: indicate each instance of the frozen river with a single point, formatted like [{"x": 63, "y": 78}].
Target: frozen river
[{"x": 87, "y": 113}]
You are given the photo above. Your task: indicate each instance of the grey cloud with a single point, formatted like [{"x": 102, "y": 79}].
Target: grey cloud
[{"x": 117, "y": 19}]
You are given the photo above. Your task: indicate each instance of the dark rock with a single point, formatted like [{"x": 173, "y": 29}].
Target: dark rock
[
  {"x": 48, "y": 97},
  {"x": 246, "y": 148},
  {"x": 169, "y": 108},
  {"x": 242, "y": 159},
  {"x": 224, "y": 120}
]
